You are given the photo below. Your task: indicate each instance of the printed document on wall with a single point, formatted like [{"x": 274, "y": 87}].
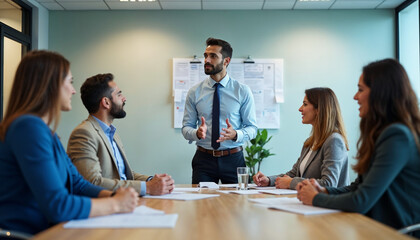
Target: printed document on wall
[{"x": 264, "y": 77}]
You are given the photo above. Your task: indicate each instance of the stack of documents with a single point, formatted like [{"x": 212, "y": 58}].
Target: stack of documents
[
  {"x": 292, "y": 205},
  {"x": 142, "y": 217}
]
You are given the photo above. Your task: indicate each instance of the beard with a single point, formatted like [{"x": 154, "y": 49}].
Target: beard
[
  {"x": 214, "y": 70},
  {"x": 116, "y": 111}
]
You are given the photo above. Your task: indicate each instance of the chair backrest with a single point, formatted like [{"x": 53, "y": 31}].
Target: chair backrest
[{"x": 13, "y": 235}]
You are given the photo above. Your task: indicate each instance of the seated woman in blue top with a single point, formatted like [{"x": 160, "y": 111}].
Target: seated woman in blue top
[
  {"x": 387, "y": 188},
  {"x": 39, "y": 184},
  {"x": 324, "y": 153}
]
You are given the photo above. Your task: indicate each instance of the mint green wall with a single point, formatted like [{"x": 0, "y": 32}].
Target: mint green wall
[{"x": 319, "y": 48}]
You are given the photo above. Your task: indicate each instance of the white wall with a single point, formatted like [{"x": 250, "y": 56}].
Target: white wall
[{"x": 319, "y": 48}]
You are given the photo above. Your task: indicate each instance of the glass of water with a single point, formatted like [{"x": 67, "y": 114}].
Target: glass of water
[{"x": 243, "y": 176}]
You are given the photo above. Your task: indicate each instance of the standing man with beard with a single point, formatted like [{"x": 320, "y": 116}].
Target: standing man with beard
[
  {"x": 224, "y": 112},
  {"x": 97, "y": 151}
]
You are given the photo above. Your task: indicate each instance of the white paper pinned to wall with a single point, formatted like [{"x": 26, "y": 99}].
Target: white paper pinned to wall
[{"x": 264, "y": 77}]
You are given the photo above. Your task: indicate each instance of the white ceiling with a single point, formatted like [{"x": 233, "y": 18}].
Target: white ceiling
[{"x": 218, "y": 4}]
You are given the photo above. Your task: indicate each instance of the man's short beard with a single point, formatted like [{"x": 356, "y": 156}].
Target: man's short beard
[
  {"x": 117, "y": 113},
  {"x": 216, "y": 69}
]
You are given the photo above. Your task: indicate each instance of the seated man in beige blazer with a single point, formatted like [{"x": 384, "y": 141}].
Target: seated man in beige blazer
[{"x": 96, "y": 149}]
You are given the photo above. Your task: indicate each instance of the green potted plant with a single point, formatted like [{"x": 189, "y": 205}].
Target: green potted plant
[{"x": 256, "y": 151}]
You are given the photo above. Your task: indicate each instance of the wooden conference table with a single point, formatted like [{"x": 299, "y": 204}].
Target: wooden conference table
[{"x": 232, "y": 216}]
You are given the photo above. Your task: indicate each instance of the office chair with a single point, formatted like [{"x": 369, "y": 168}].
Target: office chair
[
  {"x": 410, "y": 229},
  {"x": 13, "y": 235}
]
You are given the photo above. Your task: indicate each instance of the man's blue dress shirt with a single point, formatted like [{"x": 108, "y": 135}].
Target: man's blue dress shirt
[
  {"x": 236, "y": 104},
  {"x": 109, "y": 132}
]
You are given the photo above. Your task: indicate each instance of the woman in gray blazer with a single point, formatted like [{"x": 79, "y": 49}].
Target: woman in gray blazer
[{"x": 324, "y": 153}]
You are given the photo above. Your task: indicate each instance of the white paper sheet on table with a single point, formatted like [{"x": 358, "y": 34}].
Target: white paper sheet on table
[
  {"x": 241, "y": 192},
  {"x": 144, "y": 210},
  {"x": 177, "y": 189},
  {"x": 142, "y": 217},
  {"x": 279, "y": 191},
  {"x": 229, "y": 185},
  {"x": 292, "y": 205},
  {"x": 183, "y": 196},
  {"x": 254, "y": 186},
  {"x": 263, "y": 188}
]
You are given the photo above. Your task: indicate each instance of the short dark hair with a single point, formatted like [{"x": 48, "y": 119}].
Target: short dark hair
[
  {"x": 226, "y": 48},
  {"x": 94, "y": 89}
]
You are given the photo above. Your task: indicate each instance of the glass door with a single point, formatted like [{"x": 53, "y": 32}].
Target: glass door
[
  {"x": 15, "y": 41},
  {"x": 13, "y": 52}
]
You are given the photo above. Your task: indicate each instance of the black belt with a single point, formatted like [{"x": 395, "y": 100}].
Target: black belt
[{"x": 220, "y": 153}]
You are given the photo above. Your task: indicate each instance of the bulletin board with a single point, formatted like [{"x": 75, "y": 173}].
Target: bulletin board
[{"x": 263, "y": 76}]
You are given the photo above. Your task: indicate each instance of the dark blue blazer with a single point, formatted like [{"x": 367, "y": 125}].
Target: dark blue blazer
[{"x": 39, "y": 184}]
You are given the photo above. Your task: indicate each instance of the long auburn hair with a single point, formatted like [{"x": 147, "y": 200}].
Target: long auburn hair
[
  {"x": 391, "y": 100},
  {"x": 36, "y": 88},
  {"x": 328, "y": 119}
]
